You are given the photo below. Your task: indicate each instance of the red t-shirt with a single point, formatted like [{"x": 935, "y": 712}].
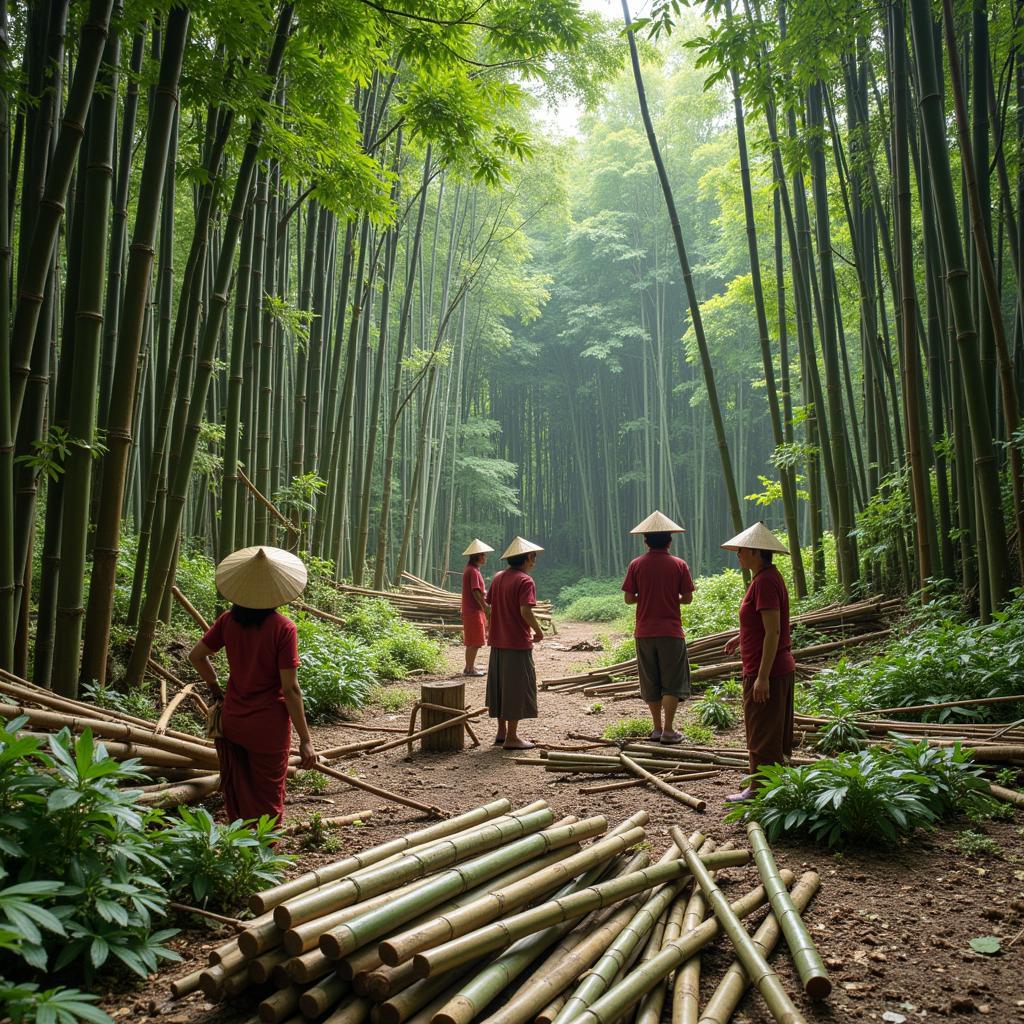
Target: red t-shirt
[
  {"x": 767, "y": 592},
  {"x": 509, "y": 591},
  {"x": 657, "y": 579},
  {"x": 472, "y": 579},
  {"x": 255, "y": 715}
]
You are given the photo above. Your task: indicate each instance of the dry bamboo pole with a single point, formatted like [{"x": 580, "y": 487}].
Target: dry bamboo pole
[
  {"x": 551, "y": 1011},
  {"x": 429, "y": 730},
  {"x": 380, "y": 878},
  {"x": 630, "y": 783},
  {"x": 686, "y": 990},
  {"x": 269, "y": 898},
  {"x": 501, "y": 934},
  {"x": 172, "y": 706},
  {"x": 358, "y": 931},
  {"x": 319, "y": 613},
  {"x": 233, "y": 948},
  {"x": 261, "y": 969},
  {"x": 308, "y": 966},
  {"x": 279, "y": 1005},
  {"x": 661, "y": 785},
  {"x": 1008, "y": 796},
  {"x": 806, "y": 959},
  {"x": 353, "y": 1010},
  {"x": 335, "y": 822},
  {"x": 765, "y": 980},
  {"x": 169, "y": 677},
  {"x": 474, "y": 996},
  {"x": 723, "y": 1001},
  {"x": 1015, "y": 699},
  {"x": 617, "y": 1000},
  {"x": 384, "y": 794},
  {"x": 322, "y": 996},
  {"x": 418, "y": 1003},
  {"x": 186, "y": 984},
  {"x": 449, "y": 927},
  {"x": 183, "y": 793},
  {"x": 267, "y": 503},
  {"x": 189, "y": 608}
]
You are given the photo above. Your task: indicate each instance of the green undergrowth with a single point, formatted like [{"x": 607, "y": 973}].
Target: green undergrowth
[
  {"x": 391, "y": 698},
  {"x": 628, "y": 729}
]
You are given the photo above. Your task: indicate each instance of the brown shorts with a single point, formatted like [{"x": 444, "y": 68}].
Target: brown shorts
[
  {"x": 511, "y": 684},
  {"x": 664, "y": 667},
  {"x": 769, "y": 726}
]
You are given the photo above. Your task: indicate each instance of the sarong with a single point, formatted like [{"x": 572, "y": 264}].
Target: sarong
[
  {"x": 252, "y": 783},
  {"x": 511, "y": 684},
  {"x": 769, "y": 726}
]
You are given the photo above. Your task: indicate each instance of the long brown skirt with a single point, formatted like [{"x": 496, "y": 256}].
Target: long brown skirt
[
  {"x": 511, "y": 684},
  {"x": 769, "y": 726}
]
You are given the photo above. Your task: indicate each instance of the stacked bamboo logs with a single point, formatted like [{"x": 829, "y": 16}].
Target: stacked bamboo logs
[
  {"x": 509, "y": 916},
  {"x": 845, "y": 625}
]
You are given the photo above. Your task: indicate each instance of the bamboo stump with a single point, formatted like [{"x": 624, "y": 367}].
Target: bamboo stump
[{"x": 446, "y": 695}]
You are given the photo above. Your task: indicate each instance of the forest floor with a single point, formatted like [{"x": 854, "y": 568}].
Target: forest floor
[{"x": 892, "y": 923}]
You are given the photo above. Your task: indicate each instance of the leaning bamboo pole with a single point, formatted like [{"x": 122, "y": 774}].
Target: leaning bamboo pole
[
  {"x": 723, "y": 1001},
  {"x": 765, "y": 980},
  {"x": 660, "y": 784},
  {"x": 805, "y": 955}
]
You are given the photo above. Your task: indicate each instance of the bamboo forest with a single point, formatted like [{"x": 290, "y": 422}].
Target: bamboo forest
[{"x": 511, "y": 511}]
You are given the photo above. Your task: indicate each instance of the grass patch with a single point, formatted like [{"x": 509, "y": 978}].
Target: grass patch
[
  {"x": 309, "y": 782},
  {"x": 977, "y": 845},
  {"x": 628, "y": 729},
  {"x": 392, "y": 698},
  {"x": 699, "y": 735}
]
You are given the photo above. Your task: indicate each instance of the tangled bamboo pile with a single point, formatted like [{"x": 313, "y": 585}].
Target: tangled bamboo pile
[
  {"x": 508, "y": 917},
  {"x": 845, "y": 626},
  {"x": 431, "y": 607}
]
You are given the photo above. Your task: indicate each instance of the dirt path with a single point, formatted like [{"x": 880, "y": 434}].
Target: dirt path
[{"x": 894, "y": 925}]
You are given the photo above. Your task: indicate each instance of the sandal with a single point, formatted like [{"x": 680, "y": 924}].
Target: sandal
[
  {"x": 738, "y": 798},
  {"x": 671, "y": 737},
  {"x": 655, "y": 735}
]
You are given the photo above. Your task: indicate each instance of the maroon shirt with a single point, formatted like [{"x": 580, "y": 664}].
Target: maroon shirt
[
  {"x": 255, "y": 715},
  {"x": 472, "y": 579},
  {"x": 767, "y": 592},
  {"x": 509, "y": 590},
  {"x": 657, "y": 579}
]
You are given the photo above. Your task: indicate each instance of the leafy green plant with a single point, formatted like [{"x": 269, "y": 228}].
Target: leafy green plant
[
  {"x": 596, "y": 708},
  {"x": 221, "y": 865},
  {"x": 335, "y": 672},
  {"x": 977, "y": 844},
  {"x": 842, "y": 733},
  {"x": 397, "y": 646},
  {"x": 26, "y": 1003},
  {"x": 309, "y": 782},
  {"x": 714, "y": 713},
  {"x": 700, "y": 735},
  {"x": 392, "y": 698},
  {"x": 1007, "y": 777},
  {"x": 317, "y": 835},
  {"x": 591, "y": 600},
  {"x": 627, "y": 729}
]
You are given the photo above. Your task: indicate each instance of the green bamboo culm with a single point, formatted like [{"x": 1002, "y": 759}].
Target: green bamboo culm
[
  {"x": 764, "y": 978},
  {"x": 724, "y": 1000},
  {"x": 805, "y": 955},
  {"x": 616, "y": 1002}
]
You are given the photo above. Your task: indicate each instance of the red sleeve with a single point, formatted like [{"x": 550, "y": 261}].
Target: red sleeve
[
  {"x": 214, "y": 636},
  {"x": 527, "y": 592},
  {"x": 490, "y": 589},
  {"x": 685, "y": 579},
  {"x": 767, "y": 596},
  {"x": 288, "y": 646},
  {"x": 629, "y": 583},
  {"x": 477, "y": 582}
]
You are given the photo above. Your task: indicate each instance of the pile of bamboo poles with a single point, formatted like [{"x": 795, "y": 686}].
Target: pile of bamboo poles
[
  {"x": 845, "y": 626},
  {"x": 510, "y": 916},
  {"x": 429, "y": 606}
]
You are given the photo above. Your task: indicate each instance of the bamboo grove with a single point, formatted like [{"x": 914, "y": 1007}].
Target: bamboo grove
[{"x": 320, "y": 274}]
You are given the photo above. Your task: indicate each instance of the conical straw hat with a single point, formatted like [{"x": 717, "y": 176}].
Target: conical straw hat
[
  {"x": 758, "y": 537},
  {"x": 656, "y": 522},
  {"x": 261, "y": 577},
  {"x": 478, "y": 547},
  {"x": 520, "y": 546}
]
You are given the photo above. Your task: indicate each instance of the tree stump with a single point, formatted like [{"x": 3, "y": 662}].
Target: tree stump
[{"x": 447, "y": 695}]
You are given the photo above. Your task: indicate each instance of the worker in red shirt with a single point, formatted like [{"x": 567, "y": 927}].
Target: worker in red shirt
[
  {"x": 263, "y": 700},
  {"x": 511, "y": 679},
  {"x": 769, "y": 671},
  {"x": 658, "y": 583},
  {"x": 476, "y": 612}
]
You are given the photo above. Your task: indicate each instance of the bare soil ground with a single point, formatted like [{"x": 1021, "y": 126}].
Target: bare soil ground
[{"x": 893, "y": 924}]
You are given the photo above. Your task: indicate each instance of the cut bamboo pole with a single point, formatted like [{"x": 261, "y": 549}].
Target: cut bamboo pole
[
  {"x": 1008, "y": 796},
  {"x": 189, "y": 608},
  {"x": 661, "y": 785},
  {"x": 186, "y": 985},
  {"x": 918, "y": 708},
  {"x": 630, "y": 783},
  {"x": 430, "y": 730},
  {"x": 385, "y": 794},
  {"x": 764, "y": 979},
  {"x": 308, "y": 966},
  {"x": 354, "y": 1010},
  {"x": 183, "y": 793},
  {"x": 723, "y": 1001},
  {"x": 634, "y": 986},
  {"x": 322, "y": 996},
  {"x": 404, "y": 1004},
  {"x": 335, "y": 822},
  {"x": 261, "y": 969},
  {"x": 279, "y": 1005},
  {"x": 808, "y": 962}
]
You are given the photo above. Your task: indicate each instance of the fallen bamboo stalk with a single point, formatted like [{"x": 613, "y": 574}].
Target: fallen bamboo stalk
[
  {"x": 660, "y": 784},
  {"x": 335, "y": 822},
  {"x": 384, "y": 794},
  {"x": 1007, "y": 796},
  {"x": 916, "y": 708},
  {"x": 630, "y": 783},
  {"x": 192, "y": 611},
  {"x": 181, "y": 793},
  {"x": 410, "y": 737},
  {"x": 268, "y": 504},
  {"x": 172, "y": 706},
  {"x": 183, "y": 908}
]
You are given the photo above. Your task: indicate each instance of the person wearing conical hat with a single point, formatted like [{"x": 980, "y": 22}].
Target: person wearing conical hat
[
  {"x": 769, "y": 671},
  {"x": 263, "y": 700},
  {"x": 511, "y": 679},
  {"x": 476, "y": 612},
  {"x": 658, "y": 584}
]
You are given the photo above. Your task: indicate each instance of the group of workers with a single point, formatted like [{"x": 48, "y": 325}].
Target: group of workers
[
  {"x": 253, "y": 716},
  {"x": 658, "y": 584}
]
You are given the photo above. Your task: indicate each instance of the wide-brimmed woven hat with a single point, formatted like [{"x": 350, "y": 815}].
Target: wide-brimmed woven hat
[
  {"x": 520, "y": 546},
  {"x": 478, "y": 547},
  {"x": 657, "y": 522},
  {"x": 261, "y": 577},
  {"x": 758, "y": 537}
]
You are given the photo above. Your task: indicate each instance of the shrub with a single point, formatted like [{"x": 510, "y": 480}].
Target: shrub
[
  {"x": 700, "y": 735},
  {"x": 309, "y": 782},
  {"x": 863, "y": 797},
  {"x": 842, "y": 733},
  {"x": 716, "y": 603},
  {"x": 595, "y": 608},
  {"x": 587, "y": 587},
  {"x": 336, "y": 670},
  {"x": 220, "y": 865},
  {"x": 397, "y": 646},
  {"x": 714, "y": 713},
  {"x": 392, "y": 698},
  {"x": 25, "y": 1002},
  {"x": 628, "y": 729}
]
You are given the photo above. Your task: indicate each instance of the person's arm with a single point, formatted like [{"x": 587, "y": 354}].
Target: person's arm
[
  {"x": 686, "y": 598},
  {"x": 772, "y": 619},
  {"x": 526, "y": 610},
  {"x": 200, "y": 658},
  {"x": 297, "y": 713},
  {"x": 481, "y": 600},
  {"x": 631, "y": 598}
]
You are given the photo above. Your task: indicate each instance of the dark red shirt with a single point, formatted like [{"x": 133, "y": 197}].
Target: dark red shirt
[
  {"x": 472, "y": 579},
  {"x": 509, "y": 591},
  {"x": 658, "y": 579},
  {"x": 255, "y": 715},
  {"x": 767, "y": 592}
]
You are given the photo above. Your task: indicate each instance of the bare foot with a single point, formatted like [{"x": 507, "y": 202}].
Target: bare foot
[
  {"x": 518, "y": 744},
  {"x": 498, "y": 740}
]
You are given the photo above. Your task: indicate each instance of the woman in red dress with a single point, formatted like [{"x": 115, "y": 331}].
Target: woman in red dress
[
  {"x": 769, "y": 671},
  {"x": 263, "y": 699},
  {"x": 476, "y": 612}
]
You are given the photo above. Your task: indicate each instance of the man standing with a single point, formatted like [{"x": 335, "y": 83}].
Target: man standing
[
  {"x": 658, "y": 583},
  {"x": 511, "y": 679}
]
